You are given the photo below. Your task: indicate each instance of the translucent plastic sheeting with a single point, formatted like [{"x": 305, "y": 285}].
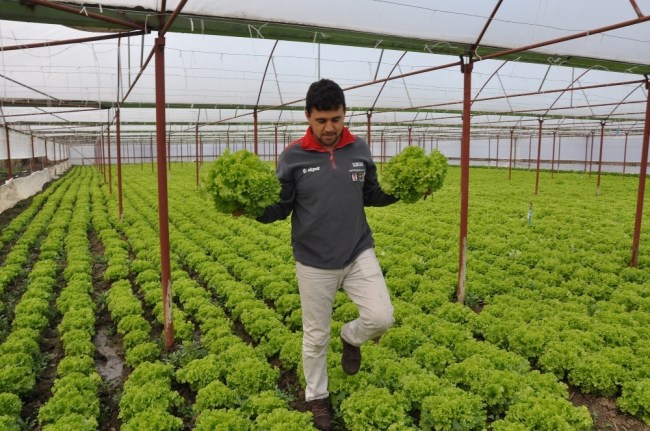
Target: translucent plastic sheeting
[
  {"x": 20, "y": 146},
  {"x": 517, "y": 23}
]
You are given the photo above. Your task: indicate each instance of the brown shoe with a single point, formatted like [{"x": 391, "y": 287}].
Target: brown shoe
[
  {"x": 320, "y": 409},
  {"x": 351, "y": 358}
]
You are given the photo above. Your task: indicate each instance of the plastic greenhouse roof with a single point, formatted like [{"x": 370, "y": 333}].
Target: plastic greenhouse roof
[{"x": 224, "y": 58}]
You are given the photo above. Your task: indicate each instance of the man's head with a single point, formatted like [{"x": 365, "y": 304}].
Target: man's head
[
  {"x": 324, "y": 95},
  {"x": 325, "y": 111}
]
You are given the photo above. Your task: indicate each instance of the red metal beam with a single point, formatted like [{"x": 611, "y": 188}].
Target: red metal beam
[
  {"x": 636, "y": 8},
  {"x": 83, "y": 11},
  {"x": 643, "y": 170},
  {"x": 71, "y": 41},
  {"x": 172, "y": 18},
  {"x": 485, "y": 27},
  {"x": 566, "y": 38}
]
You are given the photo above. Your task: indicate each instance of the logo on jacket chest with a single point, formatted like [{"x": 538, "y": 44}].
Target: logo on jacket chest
[
  {"x": 358, "y": 172},
  {"x": 310, "y": 169}
]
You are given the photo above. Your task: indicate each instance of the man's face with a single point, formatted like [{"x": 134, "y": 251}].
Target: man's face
[{"x": 326, "y": 126}]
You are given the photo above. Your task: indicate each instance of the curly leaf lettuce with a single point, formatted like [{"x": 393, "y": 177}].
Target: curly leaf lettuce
[
  {"x": 241, "y": 181},
  {"x": 412, "y": 174}
]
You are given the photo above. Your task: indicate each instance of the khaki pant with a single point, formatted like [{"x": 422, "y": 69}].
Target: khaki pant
[{"x": 364, "y": 284}]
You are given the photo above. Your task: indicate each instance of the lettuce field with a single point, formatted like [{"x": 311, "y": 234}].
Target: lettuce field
[{"x": 554, "y": 335}]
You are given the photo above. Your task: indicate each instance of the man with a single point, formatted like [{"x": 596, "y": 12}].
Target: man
[{"x": 327, "y": 178}]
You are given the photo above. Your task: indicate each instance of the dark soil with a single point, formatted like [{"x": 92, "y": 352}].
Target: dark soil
[
  {"x": 110, "y": 356},
  {"x": 52, "y": 352},
  {"x": 607, "y": 417}
]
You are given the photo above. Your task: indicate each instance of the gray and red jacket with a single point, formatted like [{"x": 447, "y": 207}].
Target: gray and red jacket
[{"x": 325, "y": 193}]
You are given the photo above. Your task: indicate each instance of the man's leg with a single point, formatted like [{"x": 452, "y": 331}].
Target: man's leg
[
  {"x": 365, "y": 285},
  {"x": 317, "y": 292}
]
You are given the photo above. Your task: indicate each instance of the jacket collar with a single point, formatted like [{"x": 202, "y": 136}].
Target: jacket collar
[{"x": 309, "y": 142}]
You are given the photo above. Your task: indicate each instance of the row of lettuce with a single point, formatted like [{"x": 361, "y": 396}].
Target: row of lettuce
[
  {"x": 412, "y": 366},
  {"x": 556, "y": 289},
  {"x": 429, "y": 372}
]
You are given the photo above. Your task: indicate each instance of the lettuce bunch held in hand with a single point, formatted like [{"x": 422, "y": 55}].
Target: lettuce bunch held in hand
[
  {"x": 412, "y": 174},
  {"x": 240, "y": 181}
]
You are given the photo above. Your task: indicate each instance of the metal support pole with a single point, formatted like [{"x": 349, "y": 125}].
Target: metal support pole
[
  {"x": 591, "y": 153},
  {"x": 169, "y": 148},
  {"x": 382, "y": 156},
  {"x": 600, "y": 156},
  {"x": 196, "y": 139},
  {"x": 110, "y": 168},
  {"x": 103, "y": 162},
  {"x": 163, "y": 208},
  {"x": 369, "y": 124},
  {"x": 410, "y": 136},
  {"x": 120, "y": 207},
  {"x": 497, "y": 161},
  {"x": 559, "y": 151},
  {"x": 275, "y": 147},
  {"x": 643, "y": 170},
  {"x": 510, "y": 156},
  {"x": 255, "y": 137},
  {"x": 586, "y": 153},
  {"x": 10, "y": 174},
  {"x": 553, "y": 155},
  {"x": 539, "y": 154},
  {"x": 32, "y": 162},
  {"x": 489, "y": 157},
  {"x": 464, "y": 180},
  {"x": 47, "y": 160},
  {"x": 625, "y": 152}
]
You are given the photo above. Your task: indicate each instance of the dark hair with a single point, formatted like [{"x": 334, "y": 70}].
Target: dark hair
[{"x": 324, "y": 95}]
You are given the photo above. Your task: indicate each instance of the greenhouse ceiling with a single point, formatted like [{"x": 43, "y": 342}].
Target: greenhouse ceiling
[{"x": 578, "y": 65}]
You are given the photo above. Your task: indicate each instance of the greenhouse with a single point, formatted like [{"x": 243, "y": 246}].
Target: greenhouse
[{"x": 521, "y": 288}]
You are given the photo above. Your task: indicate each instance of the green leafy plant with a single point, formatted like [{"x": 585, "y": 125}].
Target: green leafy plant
[
  {"x": 452, "y": 409},
  {"x": 226, "y": 420},
  {"x": 412, "y": 174},
  {"x": 373, "y": 409},
  {"x": 241, "y": 181},
  {"x": 636, "y": 399}
]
